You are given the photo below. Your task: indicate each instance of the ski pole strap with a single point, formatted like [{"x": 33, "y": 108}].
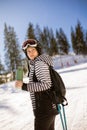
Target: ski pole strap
[
  {"x": 62, "y": 116},
  {"x": 65, "y": 102}
]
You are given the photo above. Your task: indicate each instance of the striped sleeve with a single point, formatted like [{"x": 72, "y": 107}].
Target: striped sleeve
[{"x": 43, "y": 77}]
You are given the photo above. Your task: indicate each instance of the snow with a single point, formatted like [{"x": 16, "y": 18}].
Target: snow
[{"x": 16, "y": 109}]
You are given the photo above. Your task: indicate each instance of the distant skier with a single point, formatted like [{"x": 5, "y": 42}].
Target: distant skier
[{"x": 39, "y": 84}]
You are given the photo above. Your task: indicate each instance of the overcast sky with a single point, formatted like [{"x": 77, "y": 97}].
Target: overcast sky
[{"x": 51, "y": 13}]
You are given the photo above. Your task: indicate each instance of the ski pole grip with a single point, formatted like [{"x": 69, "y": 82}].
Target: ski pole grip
[{"x": 19, "y": 73}]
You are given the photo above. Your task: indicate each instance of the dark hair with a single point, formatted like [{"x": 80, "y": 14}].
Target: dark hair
[{"x": 39, "y": 49}]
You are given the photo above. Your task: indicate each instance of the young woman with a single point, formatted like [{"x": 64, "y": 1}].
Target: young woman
[{"x": 39, "y": 86}]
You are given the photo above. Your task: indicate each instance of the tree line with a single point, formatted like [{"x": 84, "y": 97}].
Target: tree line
[{"x": 53, "y": 43}]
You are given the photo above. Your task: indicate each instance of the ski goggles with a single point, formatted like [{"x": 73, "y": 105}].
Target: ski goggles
[{"x": 30, "y": 42}]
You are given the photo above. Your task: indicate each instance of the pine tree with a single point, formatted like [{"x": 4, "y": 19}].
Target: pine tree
[
  {"x": 62, "y": 42},
  {"x": 12, "y": 49},
  {"x": 30, "y": 31},
  {"x": 77, "y": 38},
  {"x": 1, "y": 71},
  {"x": 1, "y": 67},
  {"x": 73, "y": 41},
  {"x": 85, "y": 47},
  {"x": 45, "y": 40},
  {"x": 38, "y": 32},
  {"x": 53, "y": 50}
]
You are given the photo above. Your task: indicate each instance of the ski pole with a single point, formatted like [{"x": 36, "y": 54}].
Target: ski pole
[
  {"x": 64, "y": 117},
  {"x": 59, "y": 110}
]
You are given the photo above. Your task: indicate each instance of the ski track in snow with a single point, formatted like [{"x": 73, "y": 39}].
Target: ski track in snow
[{"x": 16, "y": 110}]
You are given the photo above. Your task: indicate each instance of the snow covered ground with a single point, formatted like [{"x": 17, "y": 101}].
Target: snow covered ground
[{"x": 16, "y": 110}]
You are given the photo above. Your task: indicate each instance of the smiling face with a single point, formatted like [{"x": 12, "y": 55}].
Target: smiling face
[{"x": 32, "y": 53}]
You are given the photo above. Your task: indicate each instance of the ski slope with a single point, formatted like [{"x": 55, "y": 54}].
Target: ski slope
[{"x": 16, "y": 110}]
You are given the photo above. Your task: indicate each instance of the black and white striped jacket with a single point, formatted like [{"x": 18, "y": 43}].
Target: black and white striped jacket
[{"x": 41, "y": 103}]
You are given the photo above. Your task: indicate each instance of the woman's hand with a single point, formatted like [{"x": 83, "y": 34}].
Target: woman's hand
[{"x": 18, "y": 84}]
